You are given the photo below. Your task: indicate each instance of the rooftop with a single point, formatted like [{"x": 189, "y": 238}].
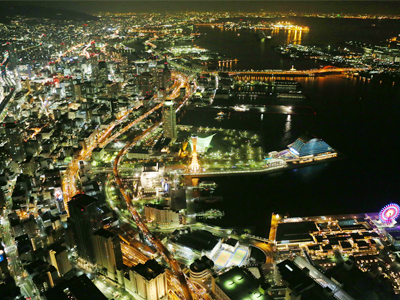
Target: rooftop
[
  {"x": 149, "y": 270},
  {"x": 394, "y": 232},
  {"x": 104, "y": 233},
  {"x": 198, "y": 240},
  {"x": 295, "y": 231},
  {"x": 231, "y": 242},
  {"x": 238, "y": 284},
  {"x": 358, "y": 284},
  {"x": 201, "y": 264},
  {"x": 306, "y": 137},
  {"x": 80, "y": 288},
  {"x": 57, "y": 248},
  {"x": 82, "y": 200}
]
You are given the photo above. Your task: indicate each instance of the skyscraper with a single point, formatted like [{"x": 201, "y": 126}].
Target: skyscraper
[
  {"x": 103, "y": 71},
  {"x": 145, "y": 83},
  {"x": 169, "y": 120},
  {"x": 59, "y": 259},
  {"x": 108, "y": 254},
  {"x": 78, "y": 91},
  {"x": 12, "y": 57},
  {"x": 149, "y": 280},
  {"x": 85, "y": 216},
  {"x": 166, "y": 76}
]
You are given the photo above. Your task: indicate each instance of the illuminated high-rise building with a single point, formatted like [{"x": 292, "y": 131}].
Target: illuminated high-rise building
[
  {"x": 85, "y": 217},
  {"x": 166, "y": 76},
  {"x": 145, "y": 83},
  {"x": 12, "y": 57},
  {"x": 59, "y": 259},
  {"x": 103, "y": 71},
  {"x": 108, "y": 254},
  {"x": 161, "y": 215},
  {"x": 201, "y": 270},
  {"x": 149, "y": 280},
  {"x": 194, "y": 165},
  {"x": 169, "y": 120}
]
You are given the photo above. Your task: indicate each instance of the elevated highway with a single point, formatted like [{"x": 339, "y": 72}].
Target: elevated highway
[
  {"x": 139, "y": 222},
  {"x": 158, "y": 245},
  {"x": 102, "y": 138}
]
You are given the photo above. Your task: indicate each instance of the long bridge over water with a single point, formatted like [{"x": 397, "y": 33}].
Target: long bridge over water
[{"x": 293, "y": 72}]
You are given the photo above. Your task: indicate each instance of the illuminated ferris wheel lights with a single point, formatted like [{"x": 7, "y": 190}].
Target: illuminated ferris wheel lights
[{"x": 389, "y": 213}]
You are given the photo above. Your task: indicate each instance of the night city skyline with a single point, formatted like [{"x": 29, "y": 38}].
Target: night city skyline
[
  {"x": 339, "y": 6},
  {"x": 205, "y": 150}
]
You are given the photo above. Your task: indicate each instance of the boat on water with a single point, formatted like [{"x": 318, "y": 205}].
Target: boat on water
[
  {"x": 208, "y": 185},
  {"x": 221, "y": 113},
  {"x": 240, "y": 108},
  {"x": 220, "y": 116},
  {"x": 261, "y": 36}
]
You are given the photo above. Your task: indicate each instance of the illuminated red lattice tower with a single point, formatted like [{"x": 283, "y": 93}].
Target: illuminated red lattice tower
[{"x": 194, "y": 166}]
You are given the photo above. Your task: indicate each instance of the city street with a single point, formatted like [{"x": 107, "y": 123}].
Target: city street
[{"x": 15, "y": 265}]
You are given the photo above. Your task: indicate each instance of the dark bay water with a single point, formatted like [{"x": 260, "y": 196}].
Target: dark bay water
[
  {"x": 253, "y": 54},
  {"x": 359, "y": 118}
]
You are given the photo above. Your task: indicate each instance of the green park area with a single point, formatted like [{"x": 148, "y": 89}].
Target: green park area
[{"x": 222, "y": 149}]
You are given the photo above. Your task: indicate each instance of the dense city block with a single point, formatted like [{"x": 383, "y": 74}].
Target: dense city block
[{"x": 117, "y": 131}]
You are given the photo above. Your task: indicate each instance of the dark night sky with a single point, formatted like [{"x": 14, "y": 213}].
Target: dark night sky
[{"x": 92, "y": 7}]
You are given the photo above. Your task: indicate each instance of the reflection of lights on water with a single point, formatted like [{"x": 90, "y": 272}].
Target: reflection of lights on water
[
  {"x": 288, "y": 125},
  {"x": 288, "y": 128}
]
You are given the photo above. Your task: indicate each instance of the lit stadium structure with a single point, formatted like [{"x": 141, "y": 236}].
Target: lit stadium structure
[
  {"x": 202, "y": 143},
  {"x": 309, "y": 145},
  {"x": 389, "y": 213},
  {"x": 194, "y": 166}
]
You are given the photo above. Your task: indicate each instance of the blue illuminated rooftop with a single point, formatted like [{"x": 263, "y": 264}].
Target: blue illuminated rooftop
[{"x": 309, "y": 145}]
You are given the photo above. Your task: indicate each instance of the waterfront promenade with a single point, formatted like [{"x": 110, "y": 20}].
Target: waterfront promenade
[{"x": 234, "y": 172}]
